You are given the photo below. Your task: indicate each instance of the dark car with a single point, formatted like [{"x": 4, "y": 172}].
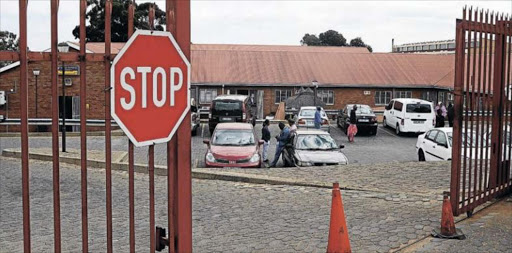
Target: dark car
[
  {"x": 366, "y": 119},
  {"x": 230, "y": 108}
]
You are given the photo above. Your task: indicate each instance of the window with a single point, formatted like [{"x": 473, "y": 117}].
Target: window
[
  {"x": 441, "y": 97},
  {"x": 450, "y": 97},
  {"x": 327, "y": 96},
  {"x": 403, "y": 94},
  {"x": 207, "y": 95},
  {"x": 410, "y": 48},
  {"x": 432, "y": 135},
  {"x": 432, "y": 47},
  {"x": 441, "y": 139},
  {"x": 444, "y": 46},
  {"x": 451, "y": 45},
  {"x": 419, "y": 108},
  {"x": 425, "y": 47},
  {"x": 398, "y": 106},
  {"x": 426, "y": 96},
  {"x": 282, "y": 95},
  {"x": 382, "y": 97}
]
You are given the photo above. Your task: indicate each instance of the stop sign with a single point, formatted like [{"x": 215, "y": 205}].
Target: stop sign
[{"x": 150, "y": 81}]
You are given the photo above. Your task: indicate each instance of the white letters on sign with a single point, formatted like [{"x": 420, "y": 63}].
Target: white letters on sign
[{"x": 159, "y": 77}]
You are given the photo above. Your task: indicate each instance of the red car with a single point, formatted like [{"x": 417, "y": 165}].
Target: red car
[{"x": 233, "y": 145}]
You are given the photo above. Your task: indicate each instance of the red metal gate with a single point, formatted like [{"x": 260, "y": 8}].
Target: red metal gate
[
  {"x": 482, "y": 133},
  {"x": 178, "y": 160}
]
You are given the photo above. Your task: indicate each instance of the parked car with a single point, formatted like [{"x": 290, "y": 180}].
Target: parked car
[
  {"x": 436, "y": 145},
  {"x": 230, "y": 108},
  {"x": 233, "y": 145},
  {"x": 366, "y": 119},
  {"x": 409, "y": 115},
  {"x": 314, "y": 148},
  {"x": 195, "y": 122},
  {"x": 306, "y": 118}
]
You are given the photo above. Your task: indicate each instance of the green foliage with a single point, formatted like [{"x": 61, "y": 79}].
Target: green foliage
[
  {"x": 95, "y": 32},
  {"x": 332, "y": 38},
  {"x": 8, "y": 42}
]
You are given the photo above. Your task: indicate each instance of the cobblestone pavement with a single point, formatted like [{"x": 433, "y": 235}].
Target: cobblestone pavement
[
  {"x": 488, "y": 231},
  {"x": 425, "y": 178},
  {"x": 385, "y": 147},
  {"x": 227, "y": 216}
]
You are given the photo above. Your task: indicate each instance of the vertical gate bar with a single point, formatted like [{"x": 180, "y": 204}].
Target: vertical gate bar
[
  {"x": 171, "y": 154},
  {"x": 131, "y": 183},
  {"x": 151, "y": 151},
  {"x": 184, "y": 179},
  {"x": 108, "y": 140},
  {"x": 482, "y": 81},
  {"x": 55, "y": 128},
  {"x": 466, "y": 95},
  {"x": 24, "y": 123},
  {"x": 457, "y": 124},
  {"x": 472, "y": 108},
  {"x": 497, "y": 117},
  {"x": 487, "y": 75},
  {"x": 152, "y": 198},
  {"x": 83, "y": 130},
  {"x": 508, "y": 82},
  {"x": 478, "y": 162}
]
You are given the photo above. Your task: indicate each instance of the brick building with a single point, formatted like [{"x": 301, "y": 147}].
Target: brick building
[{"x": 268, "y": 73}]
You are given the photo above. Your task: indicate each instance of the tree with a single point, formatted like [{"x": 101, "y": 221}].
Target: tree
[
  {"x": 332, "y": 38},
  {"x": 358, "y": 42},
  {"x": 8, "y": 42},
  {"x": 96, "y": 16},
  {"x": 310, "y": 40}
]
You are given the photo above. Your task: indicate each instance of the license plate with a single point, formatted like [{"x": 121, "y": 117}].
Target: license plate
[
  {"x": 232, "y": 162},
  {"x": 225, "y": 119},
  {"x": 364, "y": 120},
  {"x": 417, "y": 122},
  {"x": 309, "y": 123}
]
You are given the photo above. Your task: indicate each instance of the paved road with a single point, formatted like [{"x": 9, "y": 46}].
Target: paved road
[
  {"x": 384, "y": 147},
  {"x": 227, "y": 216}
]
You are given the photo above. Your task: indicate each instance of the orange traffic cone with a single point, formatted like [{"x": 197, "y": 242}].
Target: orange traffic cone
[
  {"x": 338, "y": 232},
  {"x": 447, "y": 230}
]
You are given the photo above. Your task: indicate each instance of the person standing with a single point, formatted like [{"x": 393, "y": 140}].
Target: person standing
[
  {"x": 451, "y": 114},
  {"x": 265, "y": 136},
  {"x": 282, "y": 139},
  {"x": 352, "y": 129},
  {"x": 439, "y": 118},
  {"x": 318, "y": 117},
  {"x": 293, "y": 127}
]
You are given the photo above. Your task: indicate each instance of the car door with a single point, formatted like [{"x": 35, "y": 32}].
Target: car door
[
  {"x": 441, "y": 150},
  {"x": 387, "y": 113},
  {"x": 397, "y": 113},
  {"x": 429, "y": 145}
]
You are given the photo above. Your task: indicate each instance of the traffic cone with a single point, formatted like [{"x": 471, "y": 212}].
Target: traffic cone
[
  {"x": 447, "y": 230},
  {"x": 338, "y": 232}
]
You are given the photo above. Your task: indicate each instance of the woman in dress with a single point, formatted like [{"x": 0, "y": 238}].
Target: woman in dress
[{"x": 352, "y": 129}]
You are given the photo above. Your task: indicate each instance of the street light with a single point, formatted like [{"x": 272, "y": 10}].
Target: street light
[
  {"x": 36, "y": 75},
  {"x": 63, "y": 48},
  {"x": 315, "y": 86}
]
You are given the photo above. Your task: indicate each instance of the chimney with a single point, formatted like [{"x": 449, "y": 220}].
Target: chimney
[{"x": 392, "y": 45}]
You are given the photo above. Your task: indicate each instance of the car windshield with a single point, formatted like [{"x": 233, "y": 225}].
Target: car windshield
[
  {"x": 233, "y": 137},
  {"x": 315, "y": 142},
  {"x": 310, "y": 113},
  {"x": 227, "y": 105},
  {"x": 419, "y": 108},
  {"x": 364, "y": 110}
]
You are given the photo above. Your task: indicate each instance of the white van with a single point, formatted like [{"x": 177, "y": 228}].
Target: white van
[{"x": 409, "y": 115}]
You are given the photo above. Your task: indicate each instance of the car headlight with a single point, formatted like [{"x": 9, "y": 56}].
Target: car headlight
[
  {"x": 255, "y": 158},
  {"x": 210, "y": 157}
]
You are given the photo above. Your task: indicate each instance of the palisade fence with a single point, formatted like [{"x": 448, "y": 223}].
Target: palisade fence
[
  {"x": 179, "y": 204},
  {"x": 482, "y": 145}
]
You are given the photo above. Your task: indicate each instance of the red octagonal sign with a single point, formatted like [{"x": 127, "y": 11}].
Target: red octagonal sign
[{"x": 150, "y": 80}]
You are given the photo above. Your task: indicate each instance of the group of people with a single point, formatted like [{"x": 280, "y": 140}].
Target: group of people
[
  {"x": 282, "y": 139},
  {"x": 442, "y": 113}
]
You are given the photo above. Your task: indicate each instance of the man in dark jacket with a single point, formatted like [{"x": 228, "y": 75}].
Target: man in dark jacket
[
  {"x": 451, "y": 114},
  {"x": 265, "y": 136},
  {"x": 282, "y": 139}
]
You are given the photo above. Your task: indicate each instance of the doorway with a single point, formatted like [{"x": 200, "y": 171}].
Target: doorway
[{"x": 69, "y": 110}]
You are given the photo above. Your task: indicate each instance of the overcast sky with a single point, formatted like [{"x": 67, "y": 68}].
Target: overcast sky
[{"x": 279, "y": 22}]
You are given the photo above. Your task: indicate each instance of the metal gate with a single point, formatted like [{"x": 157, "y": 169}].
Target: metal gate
[
  {"x": 482, "y": 133},
  {"x": 178, "y": 160}
]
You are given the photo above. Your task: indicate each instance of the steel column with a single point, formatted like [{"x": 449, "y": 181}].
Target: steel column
[{"x": 108, "y": 138}]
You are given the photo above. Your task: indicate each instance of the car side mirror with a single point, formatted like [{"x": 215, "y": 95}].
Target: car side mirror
[
  {"x": 342, "y": 146},
  {"x": 260, "y": 142},
  {"x": 206, "y": 141}
]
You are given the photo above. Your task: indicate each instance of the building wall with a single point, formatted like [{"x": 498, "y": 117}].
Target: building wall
[{"x": 11, "y": 80}]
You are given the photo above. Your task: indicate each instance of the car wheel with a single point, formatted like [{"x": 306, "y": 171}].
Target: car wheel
[
  {"x": 421, "y": 156},
  {"x": 397, "y": 129},
  {"x": 384, "y": 124}
]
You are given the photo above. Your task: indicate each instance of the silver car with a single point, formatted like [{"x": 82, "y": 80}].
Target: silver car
[
  {"x": 314, "y": 148},
  {"x": 306, "y": 118}
]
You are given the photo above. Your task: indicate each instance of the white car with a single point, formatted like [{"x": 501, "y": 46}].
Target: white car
[
  {"x": 409, "y": 115},
  {"x": 435, "y": 145},
  {"x": 306, "y": 118}
]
